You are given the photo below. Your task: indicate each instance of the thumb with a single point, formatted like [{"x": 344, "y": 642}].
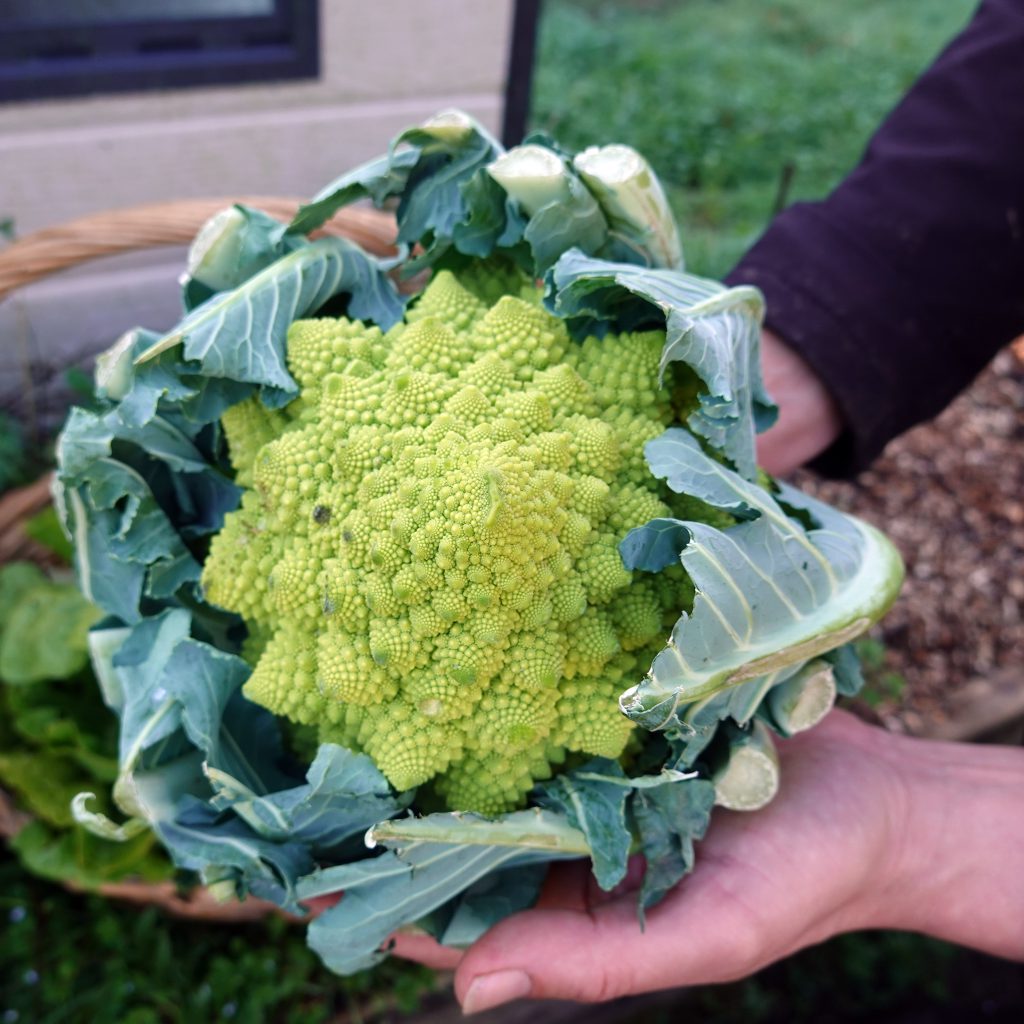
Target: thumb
[
  {"x": 587, "y": 956},
  {"x": 701, "y": 932}
]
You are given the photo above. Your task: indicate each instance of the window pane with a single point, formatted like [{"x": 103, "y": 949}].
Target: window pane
[
  {"x": 94, "y": 12},
  {"x": 52, "y": 48}
]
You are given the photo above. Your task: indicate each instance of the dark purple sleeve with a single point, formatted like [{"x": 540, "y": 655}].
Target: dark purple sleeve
[{"x": 901, "y": 285}]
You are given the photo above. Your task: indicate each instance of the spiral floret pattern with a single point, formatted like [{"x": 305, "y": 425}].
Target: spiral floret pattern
[{"x": 429, "y": 548}]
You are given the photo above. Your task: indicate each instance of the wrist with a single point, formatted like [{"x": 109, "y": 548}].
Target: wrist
[{"x": 955, "y": 863}]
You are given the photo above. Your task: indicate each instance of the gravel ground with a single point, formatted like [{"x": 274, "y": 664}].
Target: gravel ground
[{"x": 950, "y": 494}]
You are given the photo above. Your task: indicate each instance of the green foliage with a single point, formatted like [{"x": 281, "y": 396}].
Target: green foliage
[
  {"x": 68, "y": 958},
  {"x": 82, "y": 387},
  {"x": 864, "y": 976},
  {"x": 45, "y": 529},
  {"x": 25, "y": 454},
  {"x": 56, "y": 737},
  {"x": 882, "y": 686},
  {"x": 72, "y": 855},
  {"x": 44, "y": 628},
  {"x": 732, "y": 99}
]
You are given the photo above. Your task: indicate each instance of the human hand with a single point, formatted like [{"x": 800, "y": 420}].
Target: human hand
[
  {"x": 869, "y": 830},
  {"x": 822, "y": 858},
  {"x": 809, "y": 419}
]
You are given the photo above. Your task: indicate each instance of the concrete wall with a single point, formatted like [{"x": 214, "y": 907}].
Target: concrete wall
[{"x": 384, "y": 66}]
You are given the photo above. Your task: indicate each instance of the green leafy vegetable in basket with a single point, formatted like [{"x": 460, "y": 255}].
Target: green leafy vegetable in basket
[
  {"x": 450, "y": 536},
  {"x": 56, "y": 737}
]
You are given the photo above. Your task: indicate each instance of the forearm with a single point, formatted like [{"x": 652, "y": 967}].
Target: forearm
[
  {"x": 901, "y": 285},
  {"x": 957, "y": 871}
]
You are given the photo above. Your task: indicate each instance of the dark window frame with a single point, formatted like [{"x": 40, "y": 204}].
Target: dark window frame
[
  {"x": 51, "y": 61},
  {"x": 519, "y": 77}
]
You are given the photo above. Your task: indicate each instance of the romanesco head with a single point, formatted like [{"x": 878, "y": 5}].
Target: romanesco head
[{"x": 429, "y": 548}]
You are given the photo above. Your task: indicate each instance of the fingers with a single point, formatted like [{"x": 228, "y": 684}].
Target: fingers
[
  {"x": 809, "y": 419},
  {"x": 316, "y": 905},
  {"x": 549, "y": 953},
  {"x": 700, "y": 933},
  {"x": 569, "y": 886},
  {"x": 751, "y": 899},
  {"x": 418, "y": 946},
  {"x": 592, "y": 955}
]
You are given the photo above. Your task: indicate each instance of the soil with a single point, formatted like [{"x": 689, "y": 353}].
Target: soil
[{"x": 950, "y": 494}]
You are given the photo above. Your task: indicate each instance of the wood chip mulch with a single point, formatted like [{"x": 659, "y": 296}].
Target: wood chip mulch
[{"x": 950, "y": 494}]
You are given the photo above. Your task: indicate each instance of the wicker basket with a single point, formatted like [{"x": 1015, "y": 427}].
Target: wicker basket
[
  {"x": 175, "y": 223},
  {"x": 113, "y": 232}
]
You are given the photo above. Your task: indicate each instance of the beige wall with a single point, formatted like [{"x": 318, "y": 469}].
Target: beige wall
[{"x": 384, "y": 66}]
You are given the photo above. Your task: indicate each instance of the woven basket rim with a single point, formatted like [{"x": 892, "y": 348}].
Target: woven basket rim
[{"x": 126, "y": 229}]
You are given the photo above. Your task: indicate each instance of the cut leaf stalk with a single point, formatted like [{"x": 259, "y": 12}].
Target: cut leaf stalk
[{"x": 748, "y": 777}]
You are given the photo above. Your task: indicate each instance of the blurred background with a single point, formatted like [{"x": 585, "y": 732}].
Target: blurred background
[{"x": 743, "y": 107}]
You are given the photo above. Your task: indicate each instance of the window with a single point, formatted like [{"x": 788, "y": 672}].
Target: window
[{"x": 54, "y": 48}]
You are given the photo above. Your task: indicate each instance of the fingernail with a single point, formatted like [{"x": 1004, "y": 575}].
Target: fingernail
[{"x": 489, "y": 990}]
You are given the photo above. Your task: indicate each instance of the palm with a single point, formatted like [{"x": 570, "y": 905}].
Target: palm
[{"x": 765, "y": 885}]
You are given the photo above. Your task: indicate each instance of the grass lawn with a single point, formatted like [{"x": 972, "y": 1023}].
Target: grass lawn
[{"x": 741, "y": 105}]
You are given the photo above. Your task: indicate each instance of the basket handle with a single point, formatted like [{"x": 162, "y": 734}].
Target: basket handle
[{"x": 78, "y": 241}]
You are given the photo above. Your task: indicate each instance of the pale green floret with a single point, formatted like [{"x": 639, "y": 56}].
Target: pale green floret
[
  {"x": 251, "y": 425},
  {"x": 429, "y": 549}
]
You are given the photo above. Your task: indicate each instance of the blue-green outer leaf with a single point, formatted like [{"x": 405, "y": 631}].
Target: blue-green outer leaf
[
  {"x": 492, "y": 899},
  {"x": 415, "y": 877},
  {"x": 344, "y": 795},
  {"x": 769, "y": 593},
  {"x": 378, "y": 179},
  {"x": 597, "y": 807},
  {"x": 240, "y": 334},
  {"x": 431, "y": 168},
  {"x": 668, "y": 820},
  {"x": 232, "y": 246}
]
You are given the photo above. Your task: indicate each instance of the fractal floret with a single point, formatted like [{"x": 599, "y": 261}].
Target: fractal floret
[{"x": 427, "y": 553}]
